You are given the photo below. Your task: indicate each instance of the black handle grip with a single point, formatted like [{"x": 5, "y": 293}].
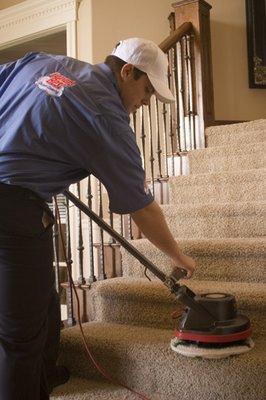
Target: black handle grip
[{"x": 179, "y": 273}]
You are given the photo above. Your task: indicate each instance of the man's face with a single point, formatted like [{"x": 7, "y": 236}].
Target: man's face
[{"x": 134, "y": 93}]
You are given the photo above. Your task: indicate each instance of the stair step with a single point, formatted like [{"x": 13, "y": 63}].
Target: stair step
[
  {"x": 216, "y": 220},
  {"x": 141, "y": 302},
  {"x": 236, "y": 186},
  {"x": 141, "y": 357},
  {"x": 227, "y": 158},
  {"x": 84, "y": 389},
  {"x": 226, "y": 259},
  {"x": 247, "y": 132}
]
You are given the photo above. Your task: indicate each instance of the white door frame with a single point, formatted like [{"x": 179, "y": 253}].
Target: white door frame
[{"x": 37, "y": 18}]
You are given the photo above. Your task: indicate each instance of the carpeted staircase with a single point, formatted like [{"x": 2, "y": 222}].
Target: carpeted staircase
[{"x": 216, "y": 214}]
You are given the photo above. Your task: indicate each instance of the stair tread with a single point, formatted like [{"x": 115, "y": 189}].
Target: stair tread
[
  {"x": 142, "y": 356},
  {"x": 80, "y": 388}
]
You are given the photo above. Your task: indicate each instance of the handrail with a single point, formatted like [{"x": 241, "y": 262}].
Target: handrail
[{"x": 175, "y": 36}]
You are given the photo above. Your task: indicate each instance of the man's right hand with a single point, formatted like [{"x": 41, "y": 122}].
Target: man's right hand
[{"x": 183, "y": 262}]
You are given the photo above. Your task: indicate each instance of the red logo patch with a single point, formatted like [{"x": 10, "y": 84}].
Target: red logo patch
[{"x": 54, "y": 83}]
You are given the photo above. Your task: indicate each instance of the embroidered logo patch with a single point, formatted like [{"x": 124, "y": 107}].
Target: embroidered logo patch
[{"x": 54, "y": 83}]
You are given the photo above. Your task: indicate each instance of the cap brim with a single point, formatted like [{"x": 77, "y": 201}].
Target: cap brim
[{"x": 162, "y": 91}]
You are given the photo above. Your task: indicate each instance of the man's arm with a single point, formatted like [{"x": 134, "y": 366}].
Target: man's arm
[{"x": 152, "y": 224}]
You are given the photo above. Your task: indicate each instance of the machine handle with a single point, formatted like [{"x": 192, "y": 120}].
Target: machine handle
[{"x": 179, "y": 273}]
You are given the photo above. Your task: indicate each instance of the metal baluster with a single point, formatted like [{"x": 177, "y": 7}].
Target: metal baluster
[
  {"x": 186, "y": 91},
  {"x": 101, "y": 266},
  {"x": 175, "y": 90},
  {"x": 159, "y": 149},
  {"x": 152, "y": 159},
  {"x": 80, "y": 248},
  {"x": 165, "y": 141},
  {"x": 182, "y": 95},
  {"x": 188, "y": 81},
  {"x": 69, "y": 291},
  {"x": 192, "y": 71},
  {"x": 143, "y": 136},
  {"x": 171, "y": 115},
  {"x": 56, "y": 250},
  {"x": 92, "y": 277}
]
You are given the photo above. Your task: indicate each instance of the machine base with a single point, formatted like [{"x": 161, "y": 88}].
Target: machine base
[{"x": 211, "y": 351}]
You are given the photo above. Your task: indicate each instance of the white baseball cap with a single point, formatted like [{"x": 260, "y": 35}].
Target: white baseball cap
[{"x": 149, "y": 58}]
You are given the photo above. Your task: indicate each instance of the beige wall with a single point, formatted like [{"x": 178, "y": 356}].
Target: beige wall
[
  {"x": 104, "y": 22},
  {"x": 233, "y": 98},
  {"x": 116, "y": 19}
]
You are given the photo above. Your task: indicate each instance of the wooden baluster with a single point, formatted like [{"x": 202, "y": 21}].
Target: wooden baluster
[
  {"x": 92, "y": 277},
  {"x": 80, "y": 248},
  {"x": 69, "y": 291}
]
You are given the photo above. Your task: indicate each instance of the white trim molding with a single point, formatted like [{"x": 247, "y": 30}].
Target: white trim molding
[{"x": 33, "y": 18}]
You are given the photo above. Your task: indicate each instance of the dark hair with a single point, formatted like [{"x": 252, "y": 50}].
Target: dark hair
[{"x": 116, "y": 64}]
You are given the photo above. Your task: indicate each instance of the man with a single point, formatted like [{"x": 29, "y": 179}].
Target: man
[{"x": 61, "y": 120}]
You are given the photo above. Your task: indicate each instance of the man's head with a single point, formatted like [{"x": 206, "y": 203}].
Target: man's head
[{"x": 141, "y": 68}]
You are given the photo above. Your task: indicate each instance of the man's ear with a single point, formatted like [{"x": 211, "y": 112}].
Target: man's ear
[{"x": 127, "y": 72}]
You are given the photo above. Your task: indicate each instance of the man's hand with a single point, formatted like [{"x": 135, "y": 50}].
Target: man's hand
[{"x": 183, "y": 262}]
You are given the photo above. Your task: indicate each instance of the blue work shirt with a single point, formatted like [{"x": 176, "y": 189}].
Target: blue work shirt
[{"x": 62, "y": 119}]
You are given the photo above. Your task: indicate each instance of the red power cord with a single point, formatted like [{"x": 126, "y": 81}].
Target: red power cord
[{"x": 88, "y": 352}]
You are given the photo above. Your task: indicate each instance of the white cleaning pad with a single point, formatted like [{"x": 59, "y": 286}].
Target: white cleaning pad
[{"x": 192, "y": 350}]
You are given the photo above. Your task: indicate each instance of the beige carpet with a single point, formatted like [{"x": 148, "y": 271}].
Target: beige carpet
[{"x": 217, "y": 215}]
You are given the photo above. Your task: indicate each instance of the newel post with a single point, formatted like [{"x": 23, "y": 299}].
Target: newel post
[{"x": 198, "y": 12}]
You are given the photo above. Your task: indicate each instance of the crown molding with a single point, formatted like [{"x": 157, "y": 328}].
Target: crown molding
[{"x": 33, "y": 17}]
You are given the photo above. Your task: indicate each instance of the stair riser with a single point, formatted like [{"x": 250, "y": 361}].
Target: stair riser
[
  {"x": 159, "y": 315},
  {"x": 199, "y": 164},
  {"x": 222, "y": 191},
  {"x": 225, "y": 138},
  {"x": 215, "y": 226},
  {"x": 210, "y": 266}
]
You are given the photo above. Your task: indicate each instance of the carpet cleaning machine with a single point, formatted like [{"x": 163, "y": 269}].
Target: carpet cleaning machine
[{"x": 210, "y": 326}]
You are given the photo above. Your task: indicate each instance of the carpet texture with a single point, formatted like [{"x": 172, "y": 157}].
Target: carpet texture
[{"x": 217, "y": 214}]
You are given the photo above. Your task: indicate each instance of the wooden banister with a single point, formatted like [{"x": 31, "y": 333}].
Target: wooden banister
[{"x": 175, "y": 36}]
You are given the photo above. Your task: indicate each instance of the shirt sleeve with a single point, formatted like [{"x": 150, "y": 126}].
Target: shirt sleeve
[{"x": 119, "y": 166}]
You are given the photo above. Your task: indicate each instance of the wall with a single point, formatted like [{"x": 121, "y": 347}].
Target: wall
[
  {"x": 233, "y": 100},
  {"x": 104, "y": 22},
  {"x": 9, "y": 3},
  {"x": 117, "y": 19}
]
